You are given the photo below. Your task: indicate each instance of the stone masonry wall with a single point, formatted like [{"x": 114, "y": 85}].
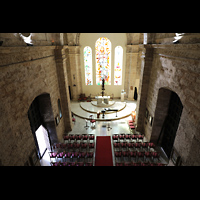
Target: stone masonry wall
[
  {"x": 25, "y": 73},
  {"x": 132, "y": 71},
  {"x": 74, "y": 71},
  {"x": 146, "y": 66},
  {"x": 37, "y": 39},
  {"x": 177, "y": 67}
]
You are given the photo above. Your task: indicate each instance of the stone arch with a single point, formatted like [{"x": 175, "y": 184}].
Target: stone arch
[
  {"x": 167, "y": 118},
  {"x": 40, "y": 113},
  {"x": 132, "y": 38}
]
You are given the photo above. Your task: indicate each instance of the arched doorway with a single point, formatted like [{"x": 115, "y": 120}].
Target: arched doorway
[
  {"x": 42, "y": 123},
  {"x": 167, "y": 117}
]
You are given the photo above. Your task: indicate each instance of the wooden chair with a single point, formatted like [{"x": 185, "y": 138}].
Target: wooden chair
[
  {"x": 115, "y": 137},
  {"x": 92, "y": 121}
]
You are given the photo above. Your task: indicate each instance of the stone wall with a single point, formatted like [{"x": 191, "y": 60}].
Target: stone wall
[
  {"x": 132, "y": 70},
  {"x": 38, "y": 39},
  {"x": 62, "y": 61},
  {"x": 159, "y": 66},
  {"x": 169, "y": 38},
  {"x": 175, "y": 67},
  {"x": 133, "y": 64},
  {"x": 146, "y": 66},
  {"x": 25, "y": 73},
  {"x": 74, "y": 71}
]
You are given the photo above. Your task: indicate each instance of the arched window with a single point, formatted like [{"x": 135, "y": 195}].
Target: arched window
[
  {"x": 103, "y": 60},
  {"x": 88, "y": 65},
  {"x": 118, "y": 65}
]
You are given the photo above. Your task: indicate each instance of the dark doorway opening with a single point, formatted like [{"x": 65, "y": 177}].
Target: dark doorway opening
[
  {"x": 42, "y": 123},
  {"x": 169, "y": 128}
]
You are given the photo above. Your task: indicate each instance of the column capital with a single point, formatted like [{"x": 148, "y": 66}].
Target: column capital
[
  {"x": 73, "y": 49},
  {"x": 132, "y": 48},
  {"x": 146, "y": 51}
]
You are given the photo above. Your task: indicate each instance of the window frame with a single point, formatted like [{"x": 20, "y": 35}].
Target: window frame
[
  {"x": 85, "y": 64},
  {"x": 120, "y": 59},
  {"x": 107, "y": 48}
]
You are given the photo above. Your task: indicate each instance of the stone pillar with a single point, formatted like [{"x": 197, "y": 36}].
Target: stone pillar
[
  {"x": 74, "y": 71},
  {"x": 131, "y": 70},
  {"x": 61, "y": 59},
  {"x": 146, "y": 65}
]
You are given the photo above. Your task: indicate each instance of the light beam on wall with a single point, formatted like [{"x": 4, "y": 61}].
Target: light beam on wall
[
  {"x": 178, "y": 37},
  {"x": 27, "y": 40}
]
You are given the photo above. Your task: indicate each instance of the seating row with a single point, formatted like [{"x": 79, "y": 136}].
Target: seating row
[
  {"x": 73, "y": 145},
  {"x": 152, "y": 154},
  {"x": 125, "y": 156},
  {"x": 71, "y": 155},
  {"x": 79, "y": 137},
  {"x": 134, "y": 144},
  {"x": 127, "y": 136},
  {"x": 71, "y": 164},
  {"x": 139, "y": 164}
]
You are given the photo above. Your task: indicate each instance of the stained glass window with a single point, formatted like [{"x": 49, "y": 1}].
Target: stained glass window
[
  {"x": 103, "y": 61},
  {"x": 88, "y": 65},
  {"x": 118, "y": 65}
]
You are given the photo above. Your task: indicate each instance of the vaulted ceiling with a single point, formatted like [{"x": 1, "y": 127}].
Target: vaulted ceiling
[{"x": 73, "y": 39}]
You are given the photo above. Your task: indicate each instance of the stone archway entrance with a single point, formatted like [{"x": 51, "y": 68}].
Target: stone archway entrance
[
  {"x": 167, "y": 117},
  {"x": 42, "y": 123}
]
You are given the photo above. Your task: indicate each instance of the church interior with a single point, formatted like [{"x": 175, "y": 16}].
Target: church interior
[{"x": 100, "y": 99}]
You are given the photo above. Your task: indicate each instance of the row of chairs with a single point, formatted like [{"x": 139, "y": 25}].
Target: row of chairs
[
  {"x": 146, "y": 154},
  {"x": 142, "y": 145},
  {"x": 139, "y": 164},
  {"x": 71, "y": 164},
  {"x": 71, "y": 158},
  {"x": 136, "y": 155},
  {"x": 122, "y": 136},
  {"x": 77, "y": 151},
  {"x": 71, "y": 154},
  {"x": 74, "y": 145},
  {"x": 78, "y": 137}
]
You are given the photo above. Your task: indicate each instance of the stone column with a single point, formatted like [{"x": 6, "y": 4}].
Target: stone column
[
  {"x": 61, "y": 59},
  {"x": 74, "y": 71},
  {"x": 131, "y": 70},
  {"x": 146, "y": 65}
]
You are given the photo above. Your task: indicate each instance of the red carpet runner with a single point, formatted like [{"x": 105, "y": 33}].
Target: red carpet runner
[{"x": 103, "y": 151}]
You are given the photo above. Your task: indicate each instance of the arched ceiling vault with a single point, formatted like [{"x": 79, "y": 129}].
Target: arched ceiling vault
[{"x": 73, "y": 39}]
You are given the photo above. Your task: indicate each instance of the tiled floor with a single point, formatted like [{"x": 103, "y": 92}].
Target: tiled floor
[{"x": 101, "y": 129}]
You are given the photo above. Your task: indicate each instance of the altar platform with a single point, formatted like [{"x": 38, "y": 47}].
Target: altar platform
[
  {"x": 92, "y": 106},
  {"x": 102, "y": 100},
  {"x": 86, "y": 109}
]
